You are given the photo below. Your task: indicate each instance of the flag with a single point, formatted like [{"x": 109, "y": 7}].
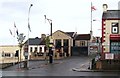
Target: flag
[
  {"x": 93, "y": 8},
  {"x": 29, "y": 27},
  {"x": 10, "y": 31}
]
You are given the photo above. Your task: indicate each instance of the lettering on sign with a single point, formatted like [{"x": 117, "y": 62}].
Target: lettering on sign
[{"x": 109, "y": 56}]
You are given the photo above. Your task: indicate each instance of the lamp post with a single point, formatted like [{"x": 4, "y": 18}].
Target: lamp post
[
  {"x": 51, "y": 41},
  {"x": 26, "y": 53}
]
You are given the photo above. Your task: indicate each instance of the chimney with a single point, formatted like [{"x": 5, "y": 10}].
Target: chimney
[
  {"x": 43, "y": 36},
  {"x": 105, "y": 6}
]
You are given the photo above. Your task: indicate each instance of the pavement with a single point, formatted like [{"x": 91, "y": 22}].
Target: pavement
[
  {"x": 86, "y": 68},
  {"x": 73, "y": 66}
]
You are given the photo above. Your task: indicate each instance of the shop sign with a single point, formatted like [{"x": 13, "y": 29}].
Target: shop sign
[{"x": 109, "y": 56}]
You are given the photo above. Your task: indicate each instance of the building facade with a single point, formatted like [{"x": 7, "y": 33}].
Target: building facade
[
  {"x": 8, "y": 54},
  {"x": 110, "y": 33},
  {"x": 110, "y": 55},
  {"x": 62, "y": 41},
  {"x": 81, "y": 44},
  {"x": 35, "y": 48}
]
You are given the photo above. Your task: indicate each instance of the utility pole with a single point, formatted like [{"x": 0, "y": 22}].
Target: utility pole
[{"x": 51, "y": 41}]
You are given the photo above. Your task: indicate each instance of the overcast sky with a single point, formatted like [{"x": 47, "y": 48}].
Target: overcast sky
[{"x": 66, "y": 15}]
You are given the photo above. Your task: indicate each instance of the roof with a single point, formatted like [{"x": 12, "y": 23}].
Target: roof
[
  {"x": 111, "y": 14},
  {"x": 36, "y": 41},
  {"x": 71, "y": 34},
  {"x": 82, "y": 37}
]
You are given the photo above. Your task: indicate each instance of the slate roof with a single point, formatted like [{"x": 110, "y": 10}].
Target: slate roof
[
  {"x": 82, "y": 37},
  {"x": 111, "y": 14},
  {"x": 35, "y": 41},
  {"x": 70, "y": 34}
]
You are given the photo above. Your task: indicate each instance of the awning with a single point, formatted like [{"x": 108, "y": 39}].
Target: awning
[{"x": 114, "y": 36}]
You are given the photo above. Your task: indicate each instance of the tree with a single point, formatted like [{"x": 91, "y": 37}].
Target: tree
[{"x": 47, "y": 42}]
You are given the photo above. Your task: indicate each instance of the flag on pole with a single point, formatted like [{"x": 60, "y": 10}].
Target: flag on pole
[
  {"x": 92, "y": 7},
  {"x": 29, "y": 27}
]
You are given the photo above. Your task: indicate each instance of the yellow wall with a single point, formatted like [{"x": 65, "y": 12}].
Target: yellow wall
[{"x": 11, "y": 49}]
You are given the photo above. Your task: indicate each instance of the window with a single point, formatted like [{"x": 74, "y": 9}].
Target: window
[
  {"x": 65, "y": 41},
  {"x": 35, "y": 49},
  {"x": 115, "y": 47},
  {"x": 7, "y": 54},
  {"x": 77, "y": 43},
  {"x": 115, "y": 28},
  {"x": 31, "y": 49},
  {"x": 58, "y": 43},
  {"x": 82, "y": 43},
  {"x": 40, "y": 49}
]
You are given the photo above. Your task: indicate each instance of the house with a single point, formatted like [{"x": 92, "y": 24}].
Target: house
[
  {"x": 81, "y": 44},
  {"x": 62, "y": 41},
  {"x": 36, "y": 47},
  {"x": 8, "y": 54},
  {"x": 110, "y": 55}
]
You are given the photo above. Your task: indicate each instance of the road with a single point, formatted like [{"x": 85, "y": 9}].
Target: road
[{"x": 61, "y": 67}]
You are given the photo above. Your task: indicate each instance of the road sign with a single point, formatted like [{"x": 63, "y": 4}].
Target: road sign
[{"x": 25, "y": 53}]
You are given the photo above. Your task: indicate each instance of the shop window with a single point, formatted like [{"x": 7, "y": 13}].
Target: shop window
[
  {"x": 115, "y": 28},
  {"x": 115, "y": 47}
]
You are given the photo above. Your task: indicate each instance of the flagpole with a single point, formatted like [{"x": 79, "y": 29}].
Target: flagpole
[{"x": 91, "y": 21}]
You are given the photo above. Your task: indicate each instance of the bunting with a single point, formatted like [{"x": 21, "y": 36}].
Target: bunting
[
  {"x": 16, "y": 29},
  {"x": 10, "y": 32},
  {"x": 29, "y": 27}
]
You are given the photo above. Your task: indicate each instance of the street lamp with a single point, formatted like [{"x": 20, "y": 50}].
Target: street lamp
[
  {"x": 51, "y": 41},
  {"x": 26, "y": 53}
]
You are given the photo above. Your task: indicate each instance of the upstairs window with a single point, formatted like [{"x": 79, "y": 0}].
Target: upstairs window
[
  {"x": 82, "y": 43},
  {"x": 115, "y": 28}
]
